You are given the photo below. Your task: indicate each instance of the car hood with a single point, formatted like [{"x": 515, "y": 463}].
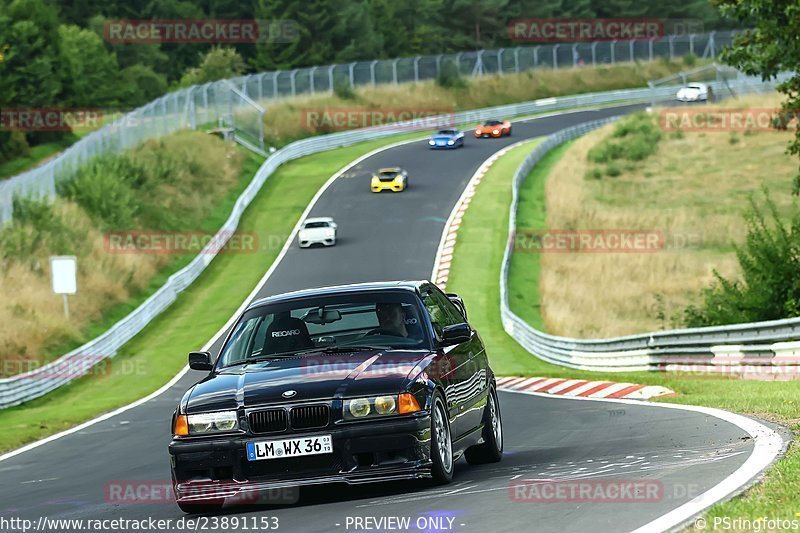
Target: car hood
[
  {"x": 311, "y": 377},
  {"x": 444, "y": 137}
]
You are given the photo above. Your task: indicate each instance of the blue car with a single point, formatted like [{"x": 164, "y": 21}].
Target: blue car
[{"x": 446, "y": 139}]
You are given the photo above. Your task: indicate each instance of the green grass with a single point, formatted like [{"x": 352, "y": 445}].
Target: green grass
[
  {"x": 36, "y": 155},
  {"x": 153, "y": 357},
  {"x": 474, "y": 275}
]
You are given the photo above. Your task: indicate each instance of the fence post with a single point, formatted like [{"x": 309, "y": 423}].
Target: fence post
[
  {"x": 330, "y": 77},
  {"x": 438, "y": 65},
  {"x": 630, "y": 49},
  {"x": 516, "y": 59},
  {"x": 575, "y": 55},
  {"x": 651, "y": 47},
  {"x": 311, "y": 79},
  {"x": 500, "y": 61},
  {"x": 416, "y": 69},
  {"x": 613, "y": 51},
  {"x": 352, "y": 74},
  {"x": 555, "y": 56},
  {"x": 691, "y": 43},
  {"x": 671, "y": 50},
  {"x": 292, "y": 81},
  {"x": 394, "y": 71},
  {"x": 536, "y": 56},
  {"x": 458, "y": 62},
  {"x": 594, "y": 54},
  {"x": 372, "y": 71},
  {"x": 275, "y": 83}
]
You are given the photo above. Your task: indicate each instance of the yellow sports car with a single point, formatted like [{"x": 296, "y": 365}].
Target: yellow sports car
[{"x": 390, "y": 179}]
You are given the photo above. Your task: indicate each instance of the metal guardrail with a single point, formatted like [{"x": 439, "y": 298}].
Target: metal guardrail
[
  {"x": 24, "y": 387},
  {"x": 762, "y": 348},
  {"x": 232, "y": 102}
]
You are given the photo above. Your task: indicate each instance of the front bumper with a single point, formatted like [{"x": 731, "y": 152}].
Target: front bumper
[
  {"x": 305, "y": 243},
  {"x": 216, "y": 469},
  {"x": 394, "y": 187}
]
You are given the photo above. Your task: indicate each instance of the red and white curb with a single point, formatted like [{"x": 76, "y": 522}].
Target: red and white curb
[
  {"x": 444, "y": 255},
  {"x": 582, "y": 388}
]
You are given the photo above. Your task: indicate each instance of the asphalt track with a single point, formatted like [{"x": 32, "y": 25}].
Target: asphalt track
[{"x": 395, "y": 236}]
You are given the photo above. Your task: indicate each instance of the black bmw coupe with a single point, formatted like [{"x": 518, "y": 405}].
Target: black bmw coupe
[{"x": 354, "y": 384}]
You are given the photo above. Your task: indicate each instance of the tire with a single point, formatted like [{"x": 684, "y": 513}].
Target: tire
[
  {"x": 491, "y": 451},
  {"x": 509, "y": 132},
  {"x": 200, "y": 508},
  {"x": 441, "y": 450}
]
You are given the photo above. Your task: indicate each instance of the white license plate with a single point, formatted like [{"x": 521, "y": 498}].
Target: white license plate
[{"x": 280, "y": 449}]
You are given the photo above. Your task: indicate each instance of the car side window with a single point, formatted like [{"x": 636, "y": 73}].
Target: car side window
[{"x": 440, "y": 314}]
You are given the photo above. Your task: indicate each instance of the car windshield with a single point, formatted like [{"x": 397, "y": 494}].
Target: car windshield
[
  {"x": 698, "y": 87},
  {"x": 379, "y": 320},
  {"x": 447, "y": 132},
  {"x": 492, "y": 123},
  {"x": 387, "y": 176},
  {"x": 312, "y": 225}
]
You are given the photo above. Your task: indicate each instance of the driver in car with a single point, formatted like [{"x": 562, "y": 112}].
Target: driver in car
[{"x": 392, "y": 319}]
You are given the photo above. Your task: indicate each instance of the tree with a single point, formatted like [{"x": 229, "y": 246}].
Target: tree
[
  {"x": 91, "y": 71},
  {"x": 773, "y": 46},
  {"x": 218, "y": 64},
  {"x": 141, "y": 84}
]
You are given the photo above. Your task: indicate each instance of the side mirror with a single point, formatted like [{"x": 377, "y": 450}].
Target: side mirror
[
  {"x": 456, "y": 334},
  {"x": 456, "y": 300},
  {"x": 334, "y": 225},
  {"x": 200, "y": 361}
]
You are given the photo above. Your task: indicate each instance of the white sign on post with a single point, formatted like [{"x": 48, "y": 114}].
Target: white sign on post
[{"x": 64, "y": 270}]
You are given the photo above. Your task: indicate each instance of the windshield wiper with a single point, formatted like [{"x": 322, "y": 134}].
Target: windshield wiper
[{"x": 335, "y": 348}]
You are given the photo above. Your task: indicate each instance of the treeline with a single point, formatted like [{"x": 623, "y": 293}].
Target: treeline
[{"x": 55, "y": 54}]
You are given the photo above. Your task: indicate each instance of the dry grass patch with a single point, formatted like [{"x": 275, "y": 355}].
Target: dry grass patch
[
  {"x": 172, "y": 184},
  {"x": 693, "y": 190}
]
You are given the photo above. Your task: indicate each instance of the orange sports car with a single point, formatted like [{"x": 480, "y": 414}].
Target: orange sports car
[{"x": 493, "y": 128}]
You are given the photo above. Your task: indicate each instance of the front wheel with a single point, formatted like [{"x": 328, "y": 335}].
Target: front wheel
[
  {"x": 491, "y": 451},
  {"x": 441, "y": 443}
]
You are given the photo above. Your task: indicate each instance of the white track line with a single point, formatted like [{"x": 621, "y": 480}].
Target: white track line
[
  {"x": 768, "y": 446},
  {"x": 224, "y": 328}
]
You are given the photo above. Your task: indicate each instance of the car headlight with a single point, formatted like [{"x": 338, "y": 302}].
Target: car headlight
[
  {"x": 206, "y": 423},
  {"x": 379, "y": 406},
  {"x": 451, "y": 143},
  {"x": 496, "y": 132},
  {"x": 431, "y": 142}
]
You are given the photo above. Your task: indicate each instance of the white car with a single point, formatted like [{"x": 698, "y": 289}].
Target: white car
[
  {"x": 693, "y": 92},
  {"x": 320, "y": 230}
]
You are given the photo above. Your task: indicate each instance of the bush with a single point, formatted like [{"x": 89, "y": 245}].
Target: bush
[
  {"x": 769, "y": 288},
  {"x": 634, "y": 139},
  {"x": 690, "y": 60},
  {"x": 13, "y": 145},
  {"x": 613, "y": 170},
  {"x": 594, "y": 173},
  {"x": 37, "y": 226},
  {"x": 449, "y": 76},
  {"x": 343, "y": 89}
]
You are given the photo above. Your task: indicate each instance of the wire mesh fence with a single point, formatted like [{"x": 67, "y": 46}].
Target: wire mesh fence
[{"x": 238, "y": 104}]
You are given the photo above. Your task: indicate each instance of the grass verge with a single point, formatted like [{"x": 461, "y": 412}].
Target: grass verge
[
  {"x": 475, "y": 274},
  {"x": 159, "y": 352}
]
